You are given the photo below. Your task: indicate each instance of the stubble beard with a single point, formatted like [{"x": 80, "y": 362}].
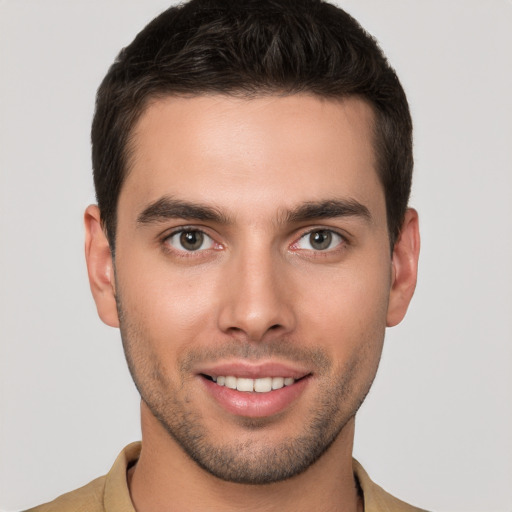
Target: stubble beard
[{"x": 251, "y": 461}]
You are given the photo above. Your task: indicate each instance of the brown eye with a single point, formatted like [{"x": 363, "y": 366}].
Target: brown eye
[
  {"x": 320, "y": 240},
  {"x": 190, "y": 240}
]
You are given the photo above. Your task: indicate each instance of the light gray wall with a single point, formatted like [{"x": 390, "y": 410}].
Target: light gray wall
[{"x": 436, "y": 427}]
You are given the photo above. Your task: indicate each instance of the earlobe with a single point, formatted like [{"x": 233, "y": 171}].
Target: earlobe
[
  {"x": 405, "y": 268},
  {"x": 100, "y": 267}
]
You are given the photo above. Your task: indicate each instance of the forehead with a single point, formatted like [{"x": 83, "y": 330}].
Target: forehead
[{"x": 250, "y": 153}]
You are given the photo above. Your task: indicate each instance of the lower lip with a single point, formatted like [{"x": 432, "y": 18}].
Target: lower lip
[{"x": 253, "y": 404}]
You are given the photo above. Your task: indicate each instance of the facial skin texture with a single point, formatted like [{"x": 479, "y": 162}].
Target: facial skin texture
[{"x": 256, "y": 296}]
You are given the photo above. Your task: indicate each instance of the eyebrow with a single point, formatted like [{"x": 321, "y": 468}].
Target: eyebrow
[
  {"x": 170, "y": 208},
  {"x": 329, "y": 209}
]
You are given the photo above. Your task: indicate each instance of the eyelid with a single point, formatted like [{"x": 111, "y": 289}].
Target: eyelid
[
  {"x": 181, "y": 229},
  {"x": 344, "y": 239}
]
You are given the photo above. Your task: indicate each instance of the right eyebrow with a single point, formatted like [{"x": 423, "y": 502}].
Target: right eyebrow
[{"x": 169, "y": 208}]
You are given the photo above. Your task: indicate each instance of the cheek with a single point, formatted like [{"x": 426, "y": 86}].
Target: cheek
[
  {"x": 345, "y": 309},
  {"x": 169, "y": 307}
]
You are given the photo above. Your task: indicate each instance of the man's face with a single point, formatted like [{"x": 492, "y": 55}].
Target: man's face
[{"x": 252, "y": 252}]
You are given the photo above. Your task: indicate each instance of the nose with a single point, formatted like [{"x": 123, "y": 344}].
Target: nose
[{"x": 256, "y": 297}]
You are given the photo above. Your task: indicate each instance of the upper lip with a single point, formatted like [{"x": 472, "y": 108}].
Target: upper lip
[{"x": 252, "y": 370}]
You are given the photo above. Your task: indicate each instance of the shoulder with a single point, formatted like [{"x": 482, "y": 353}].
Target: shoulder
[
  {"x": 107, "y": 493},
  {"x": 376, "y": 499},
  {"x": 88, "y": 498}
]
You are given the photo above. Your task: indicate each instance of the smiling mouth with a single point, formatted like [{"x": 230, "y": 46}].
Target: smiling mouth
[{"x": 261, "y": 385}]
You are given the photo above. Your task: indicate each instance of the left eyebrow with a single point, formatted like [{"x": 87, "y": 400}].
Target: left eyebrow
[{"x": 333, "y": 208}]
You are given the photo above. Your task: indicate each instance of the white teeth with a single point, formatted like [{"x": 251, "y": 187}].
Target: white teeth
[
  {"x": 263, "y": 385},
  {"x": 277, "y": 382},
  {"x": 230, "y": 382},
  {"x": 244, "y": 384}
]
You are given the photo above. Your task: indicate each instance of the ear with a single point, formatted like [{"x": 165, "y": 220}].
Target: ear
[
  {"x": 404, "y": 268},
  {"x": 100, "y": 267}
]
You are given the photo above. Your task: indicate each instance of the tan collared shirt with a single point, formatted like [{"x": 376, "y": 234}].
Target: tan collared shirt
[{"x": 110, "y": 493}]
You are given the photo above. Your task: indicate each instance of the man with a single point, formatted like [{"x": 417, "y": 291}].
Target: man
[{"x": 252, "y": 164}]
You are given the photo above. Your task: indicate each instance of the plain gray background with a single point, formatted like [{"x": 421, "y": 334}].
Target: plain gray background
[{"x": 436, "y": 428}]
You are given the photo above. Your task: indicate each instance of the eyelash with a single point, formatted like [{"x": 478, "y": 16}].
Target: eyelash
[
  {"x": 168, "y": 247},
  {"x": 343, "y": 241}
]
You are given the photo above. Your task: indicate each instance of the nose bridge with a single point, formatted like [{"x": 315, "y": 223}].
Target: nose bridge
[{"x": 255, "y": 295}]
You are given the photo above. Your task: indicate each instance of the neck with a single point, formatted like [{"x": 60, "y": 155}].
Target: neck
[{"x": 165, "y": 479}]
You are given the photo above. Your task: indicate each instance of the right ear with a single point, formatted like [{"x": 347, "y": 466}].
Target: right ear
[{"x": 100, "y": 267}]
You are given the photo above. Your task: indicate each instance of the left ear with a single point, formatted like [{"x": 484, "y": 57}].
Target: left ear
[{"x": 404, "y": 268}]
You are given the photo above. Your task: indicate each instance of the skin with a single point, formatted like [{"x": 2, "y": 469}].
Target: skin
[{"x": 256, "y": 292}]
